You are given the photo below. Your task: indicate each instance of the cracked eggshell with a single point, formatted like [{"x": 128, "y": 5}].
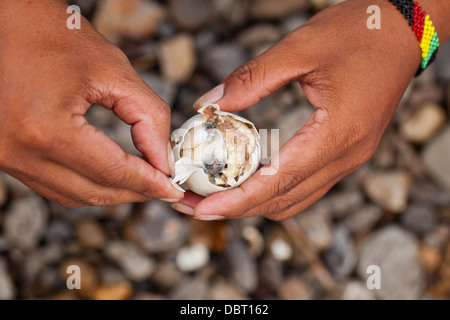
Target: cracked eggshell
[{"x": 190, "y": 175}]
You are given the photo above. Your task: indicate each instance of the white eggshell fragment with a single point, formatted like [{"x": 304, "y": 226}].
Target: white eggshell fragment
[{"x": 214, "y": 151}]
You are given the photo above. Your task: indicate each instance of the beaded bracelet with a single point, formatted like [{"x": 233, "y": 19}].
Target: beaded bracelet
[{"x": 423, "y": 28}]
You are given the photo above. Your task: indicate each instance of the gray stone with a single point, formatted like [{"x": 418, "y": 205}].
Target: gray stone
[
  {"x": 135, "y": 264},
  {"x": 290, "y": 122},
  {"x": 436, "y": 158},
  {"x": 356, "y": 290},
  {"x": 190, "y": 289},
  {"x": 316, "y": 225},
  {"x": 100, "y": 117},
  {"x": 3, "y": 191},
  {"x": 7, "y": 288},
  {"x": 122, "y": 135},
  {"x": 275, "y": 9},
  {"x": 222, "y": 290},
  {"x": 259, "y": 37},
  {"x": 157, "y": 228},
  {"x": 25, "y": 222},
  {"x": 423, "y": 123},
  {"x": 293, "y": 22},
  {"x": 294, "y": 288},
  {"x": 390, "y": 190},
  {"x": 191, "y": 14},
  {"x": 242, "y": 267},
  {"x": 232, "y": 12},
  {"x": 363, "y": 220},
  {"x": 163, "y": 88},
  {"x": 426, "y": 191},
  {"x": 420, "y": 218},
  {"x": 177, "y": 58},
  {"x": 395, "y": 251},
  {"x": 345, "y": 202},
  {"x": 220, "y": 60},
  {"x": 132, "y": 19},
  {"x": 166, "y": 276},
  {"x": 443, "y": 62},
  {"x": 340, "y": 257}
]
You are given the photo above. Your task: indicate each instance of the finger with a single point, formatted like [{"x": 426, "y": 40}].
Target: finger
[
  {"x": 298, "y": 198},
  {"x": 311, "y": 149},
  {"x": 44, "y": 191},
  {"x": 69, "y": 184},
  {"x": 92, "y": 154},
  {"x": 135, "y": 103},
  {"x": 258, "y": 78}
]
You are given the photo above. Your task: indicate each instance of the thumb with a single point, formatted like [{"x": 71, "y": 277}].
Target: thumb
[
  {"x": 149, "y": 116},
  {"x": 256, "y": 79}
]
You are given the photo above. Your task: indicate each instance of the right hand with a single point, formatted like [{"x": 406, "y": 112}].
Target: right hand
[{"x": 49, "y": 77}]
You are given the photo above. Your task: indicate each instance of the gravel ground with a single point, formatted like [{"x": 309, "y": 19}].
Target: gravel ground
[{"x": 393, "y": 212}]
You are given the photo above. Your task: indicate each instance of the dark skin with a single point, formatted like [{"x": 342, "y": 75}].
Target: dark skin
[
  {"x": 353, "y": 76},
  {"x": 49, "y": 76}
]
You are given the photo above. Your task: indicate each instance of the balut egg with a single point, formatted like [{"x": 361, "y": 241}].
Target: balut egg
[{"x": 214, "y": 151}]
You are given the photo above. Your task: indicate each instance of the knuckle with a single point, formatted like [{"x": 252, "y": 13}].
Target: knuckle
[
  {"x": 96, "y": 200},
  {"x": 34, "y": 134},
  {"x": 248, "y": 73}
]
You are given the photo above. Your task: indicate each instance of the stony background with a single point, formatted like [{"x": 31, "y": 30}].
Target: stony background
[{"x": 393, "y": 212}]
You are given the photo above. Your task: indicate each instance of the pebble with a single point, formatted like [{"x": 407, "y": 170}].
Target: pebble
[
  {"x": 220, "y": 60},
  {"x": 163, "y": 88},
  {"x": 191, "y": 14},
  {"x": 254, "y": 239},
  {"x": 436, "y": 157},
  {"x": 122, "y": 136},
  {"x": 89, "y": 278},
  {"x": 119, "y": 291},
  {"x": 291, "y": 122},
  {"x": 316, "y": 225},
  {"x": 390, "y": 190},
  {"x": 280, "y": 249},
  {"x": 166, "y": 276},
  {"x": 345, "y": 202},
  {"x": 294, "y": 288},
  {"x": 275, "y": 9},
  {"x": 258, "y": 37},
  {"x": 443, "y": 62},
  {"x": 192, "y": 257},
  {"x": 430, "y": 257},
  {"x": 157, "y": 228},
  {"x": 3, "y": 191},
  {"x": 242, "y": 268},
  {"x": 190, "y": 289},
  {"x": 7, "y": 288},
  {"x": 222, "y": 290},
  {"x": 178, "y": 58},
  {"x": 423, "y": 123},
  {"x": 133, "y": 19},
  {"x": 395, "y": 251},
  {"x": 135, "y": 264},
  {"x": 341, "y": 257},
  {"x": 293, "y": 22},
  {"x": 25, "y": 222},
  {"x": 420, "y": 218},
  {"x": 363, "y": 220},
  {"x": 232, "y": 12},
  {"x": 355, "y": 290},
  {"x": 90, "y": 234}
]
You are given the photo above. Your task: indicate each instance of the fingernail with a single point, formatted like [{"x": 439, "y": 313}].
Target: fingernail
[
  {"x": 183, "y": 208},
  {"x": 209, "y": 217},
  {"x": 171, "y": 200},
  {"x": 171, "y": 159},
  {"x": 210, "y": 97}
]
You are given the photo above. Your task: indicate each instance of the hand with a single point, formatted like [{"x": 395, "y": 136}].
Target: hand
[
  {"x": 353, "y": 76},
  {"x": 49, "y": 77}
]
